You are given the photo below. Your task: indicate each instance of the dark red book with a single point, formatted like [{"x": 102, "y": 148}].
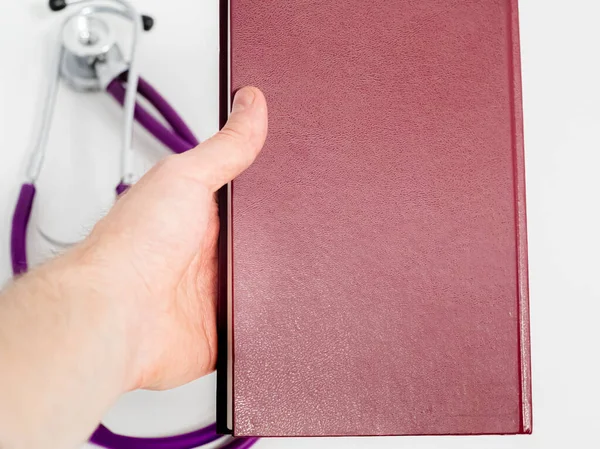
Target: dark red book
[{"x": 376, "y": 250}]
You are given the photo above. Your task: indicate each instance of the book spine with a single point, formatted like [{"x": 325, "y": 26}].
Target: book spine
[{"x": 223, "y": 199}]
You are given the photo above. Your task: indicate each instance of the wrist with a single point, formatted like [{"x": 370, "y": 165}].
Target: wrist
[{"x": 103, "y": 309}]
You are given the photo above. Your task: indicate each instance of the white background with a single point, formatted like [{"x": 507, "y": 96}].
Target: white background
[{"x": 561, "y": 82}]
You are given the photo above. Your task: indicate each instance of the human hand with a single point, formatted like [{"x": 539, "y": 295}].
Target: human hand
[
  {"x": 133, "y": 305},
  {"x": 155, "y": 254}
]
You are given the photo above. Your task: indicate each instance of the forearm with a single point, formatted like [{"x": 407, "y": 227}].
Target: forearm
[{"x": 70, "y": 363}]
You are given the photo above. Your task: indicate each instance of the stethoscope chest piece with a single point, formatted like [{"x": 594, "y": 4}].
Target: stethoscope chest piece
[{"x": 91, "y": 57}]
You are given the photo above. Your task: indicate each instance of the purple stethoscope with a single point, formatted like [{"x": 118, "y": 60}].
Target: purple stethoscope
[{"x": 89, "y": 59}]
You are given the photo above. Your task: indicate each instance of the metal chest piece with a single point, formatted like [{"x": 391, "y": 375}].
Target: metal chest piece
[{"x": 91, "y": 57}]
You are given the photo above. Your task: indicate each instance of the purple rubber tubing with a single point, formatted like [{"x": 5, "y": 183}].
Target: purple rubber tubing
[
  {"x": 167, "y": 111},
  {"x": 122, "y": 188},
  {"x": 169, "y": 138},
  {"x": 240, "y": 443},
  {"x": 105, "y": 438},
  {"x": 179, "y": 140},
  {"x": 18, "y": 236}
]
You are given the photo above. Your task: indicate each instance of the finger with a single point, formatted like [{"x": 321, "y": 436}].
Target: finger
[{"x": 233, "y": 149}]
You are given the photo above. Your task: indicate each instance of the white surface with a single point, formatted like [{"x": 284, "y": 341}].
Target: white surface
[{"x": 561, "y": 81}]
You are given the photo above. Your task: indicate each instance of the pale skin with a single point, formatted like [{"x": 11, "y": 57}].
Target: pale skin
[{"x": 132, "y": 306}]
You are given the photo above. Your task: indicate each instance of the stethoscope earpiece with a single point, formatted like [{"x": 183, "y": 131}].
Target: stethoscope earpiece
[
  {"x": 57, "y": 5},
  {"x": 147, "y": 22}
]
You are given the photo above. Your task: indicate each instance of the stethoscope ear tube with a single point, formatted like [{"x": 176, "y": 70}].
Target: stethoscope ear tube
[{"x": 179, "y": 139}]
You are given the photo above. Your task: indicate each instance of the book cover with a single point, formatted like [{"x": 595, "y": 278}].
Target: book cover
[{"x": 374, "y": 260}]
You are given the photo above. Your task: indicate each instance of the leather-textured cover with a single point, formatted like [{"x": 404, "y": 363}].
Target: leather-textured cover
[{"x": 379, "y": 241}]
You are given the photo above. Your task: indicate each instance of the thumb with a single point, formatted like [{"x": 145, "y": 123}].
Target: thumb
[{"x": 233, "y": 149}]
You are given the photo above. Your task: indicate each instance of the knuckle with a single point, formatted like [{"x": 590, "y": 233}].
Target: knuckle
[
  {"x": 235, "y": 134},
  {"x": 243, "y": 142}
]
